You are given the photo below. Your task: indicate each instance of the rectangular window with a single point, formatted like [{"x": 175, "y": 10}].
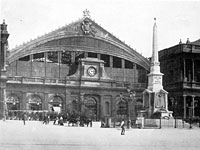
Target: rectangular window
[
  {"x": 117, "y": 62},
  {"x": 52, "y": 57},
  {"x": 106, "y": 59},
  {"x": 66, "y": 57},
  {"x": 93, "y": 55},
  {"x": 128, "y": 64},
  {"x": 38, "y": 57},
  {"x": 26, "y": 58}
]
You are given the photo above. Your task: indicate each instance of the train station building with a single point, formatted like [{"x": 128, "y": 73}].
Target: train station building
[{"x": 78, "y": 68}]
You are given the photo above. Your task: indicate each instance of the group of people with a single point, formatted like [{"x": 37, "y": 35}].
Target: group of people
[
  {"x": 46, "y": 119},
  {"x": 58, "y": 121}
]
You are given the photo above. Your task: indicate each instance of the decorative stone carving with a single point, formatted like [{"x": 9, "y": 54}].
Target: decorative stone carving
[{"x": 88, "y": 28}]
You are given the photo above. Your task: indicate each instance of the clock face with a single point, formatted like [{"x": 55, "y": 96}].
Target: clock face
[{"x": 91, "y": 71}]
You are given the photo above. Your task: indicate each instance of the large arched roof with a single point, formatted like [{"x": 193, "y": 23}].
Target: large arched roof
[{"x": 78, "y": 36}]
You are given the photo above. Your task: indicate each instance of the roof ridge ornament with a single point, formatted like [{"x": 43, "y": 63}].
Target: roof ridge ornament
[{"x": 86, "y": 13}]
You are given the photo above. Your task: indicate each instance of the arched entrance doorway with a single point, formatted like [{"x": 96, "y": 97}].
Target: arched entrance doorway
[
  {"x": 34, "y": 103},
  {"x": 13, "y": 106},
  {"x": 122, "y": 109},
  {"x": 55, "y": 104},
  {"x": 90, "y": 104},
  {"x": 34, "y": 107}
]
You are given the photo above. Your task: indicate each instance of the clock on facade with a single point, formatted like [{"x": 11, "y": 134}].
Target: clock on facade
[{"x": 91, "y": 71}]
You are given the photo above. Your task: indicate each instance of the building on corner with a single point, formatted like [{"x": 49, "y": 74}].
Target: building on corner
[{"x": 181, "y": 67}]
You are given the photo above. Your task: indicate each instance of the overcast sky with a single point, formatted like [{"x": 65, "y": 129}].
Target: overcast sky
[{"x": 129, "y": 20}]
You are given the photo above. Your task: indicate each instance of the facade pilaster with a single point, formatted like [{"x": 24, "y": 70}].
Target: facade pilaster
[
  {"x": 99, "y": 108},
  {"x": 193, "y": 106},
  {"x": 192, "y": 70},
  {"x": 123, "y": 67},
  {"x": 184, "y": 71},
  {"x": 59, "y": 62},
  {"x": 134, "y": 73},
  {"x": 67, "y": 98},
  {"x": 46, "y": 102},
  {"x": 184, "y": 106},
  {"x": 31, "y": 60},
  {"x": 45, "y": 64},
  {"x": 24, "y": 101},
  {"x": 99, "y": 56},
  {"x": 111, "y": 65}
]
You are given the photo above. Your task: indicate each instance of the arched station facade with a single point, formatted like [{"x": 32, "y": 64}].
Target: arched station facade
[{"x": 80, "y": 66}]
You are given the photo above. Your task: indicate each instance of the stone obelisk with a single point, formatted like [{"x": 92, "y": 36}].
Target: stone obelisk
[
  {"x": 155, "y": 76},
  {"x": 155, "y": 97}
]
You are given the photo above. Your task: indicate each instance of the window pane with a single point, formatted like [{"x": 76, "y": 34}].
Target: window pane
[
  {"x": 38, "y": 57},
  {"x": 66, "y": 57},
  {"x": 26, "y": 58},
  {"x": 106, "y": 59},
  {"x": 52, "y": 57},
  {"x": 93, "y": 55},
  {"x": 117, "y": 62},
  {"x": 128, "y": 64}
]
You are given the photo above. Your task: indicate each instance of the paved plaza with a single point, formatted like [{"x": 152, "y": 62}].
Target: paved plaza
[{"x": 37, "y": 136}]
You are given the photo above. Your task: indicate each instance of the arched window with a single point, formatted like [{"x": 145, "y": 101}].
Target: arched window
[
  {"x": 12, "y": 102},
  {"x": 107, "y": 108},
  {"x": 91, "y": 105},
  {"x": 56, "y": 104},
  {"x": 56, "y": 100},
  {"x": 35, "y": 102}
]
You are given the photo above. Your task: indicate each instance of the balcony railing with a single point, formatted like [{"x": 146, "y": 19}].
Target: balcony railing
[{"x": 189, "y": 84}]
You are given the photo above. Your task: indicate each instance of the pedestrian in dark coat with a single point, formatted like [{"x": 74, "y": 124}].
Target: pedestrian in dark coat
[
  {"x": 123, "y": 128},
  {"x": 24, "y": 118}
]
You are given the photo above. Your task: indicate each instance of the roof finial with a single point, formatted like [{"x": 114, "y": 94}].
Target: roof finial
[
  {"x": 180, "y": 41},
  {"x": 155, "y": 20},
  {"x": 188, "y": 41},
  {"x": 86, "y": 13}
]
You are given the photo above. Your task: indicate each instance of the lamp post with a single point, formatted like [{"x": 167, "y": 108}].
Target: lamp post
[
  {"x": 81, "y": 100},
  {"x": 132, "y": 95},
  {"x": 129, "y": 99}
]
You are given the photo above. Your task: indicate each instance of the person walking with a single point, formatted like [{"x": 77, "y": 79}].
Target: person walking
[
  {"x": 24, "y": 118},
  {"x": 123, "y": 128}
]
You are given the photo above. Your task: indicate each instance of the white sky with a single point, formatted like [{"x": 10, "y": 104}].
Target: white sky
[{"x": 129, "y": 20}]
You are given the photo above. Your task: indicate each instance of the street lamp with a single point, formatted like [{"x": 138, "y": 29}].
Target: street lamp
[
  {"x": 132, "y": 95},
  {"x": 129, "y": 99},
  {"x": 81, "y": 100}
]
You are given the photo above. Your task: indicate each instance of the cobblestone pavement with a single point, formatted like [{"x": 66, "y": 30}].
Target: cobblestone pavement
[{"x": 37, "y": 136}]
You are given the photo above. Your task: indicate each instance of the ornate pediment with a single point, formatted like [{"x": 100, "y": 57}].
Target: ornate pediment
[{"x": 84, "y": 27}]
